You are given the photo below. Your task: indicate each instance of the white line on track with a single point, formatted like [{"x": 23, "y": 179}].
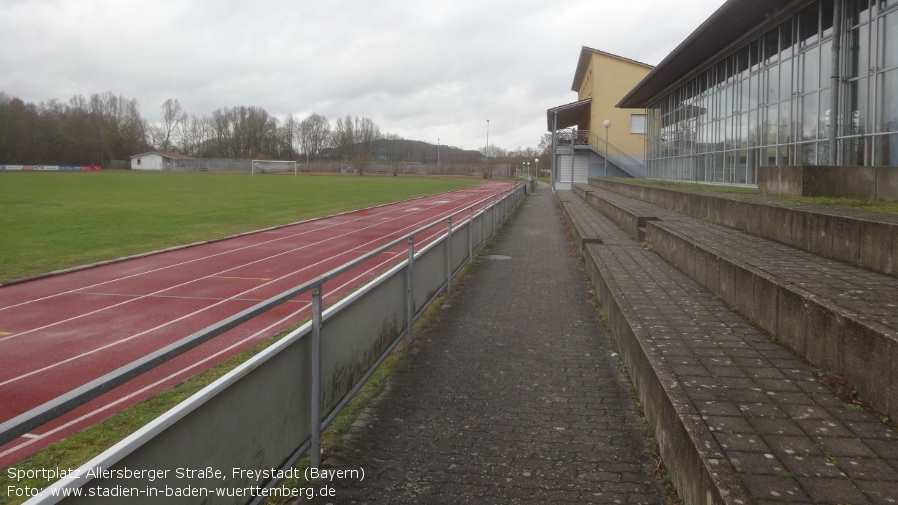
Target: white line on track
[
  {"x": 35, "y": 438},
  {"x": 186, "y": 316},
  {"x": 387, "y": 209},
  {"x": 216, "y": 274}
]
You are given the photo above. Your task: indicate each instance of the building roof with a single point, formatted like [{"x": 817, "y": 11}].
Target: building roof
[
  {"x": 568, "y": 114},
  {"x": 583, "y": 63},
  {"x": 733, "y": 20},
  {"x": 166, "y": 154}
]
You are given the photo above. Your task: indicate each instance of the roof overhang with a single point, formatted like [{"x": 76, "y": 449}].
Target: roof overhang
[
  {"x": 731, "y": 22},
  {"x": 568, "y": 115}
]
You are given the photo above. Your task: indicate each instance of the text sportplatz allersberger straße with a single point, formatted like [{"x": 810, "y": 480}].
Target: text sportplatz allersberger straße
[{"x": 237, "y": 476}]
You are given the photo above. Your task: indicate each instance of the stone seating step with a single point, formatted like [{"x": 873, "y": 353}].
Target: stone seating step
[
  {"x": 738, "y": 418},
  {"x": 865, "y": 239},
  {"x": 628, "y": 213},
  {"x": 581, "y": 220},
  {"x": 841, "y": 318}
]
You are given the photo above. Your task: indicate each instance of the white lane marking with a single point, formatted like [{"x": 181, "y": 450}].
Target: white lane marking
[
  {"x": 205, "y": 277},
  {"x": 395, "y": 207},
  {"x": 186, "y": 316},
  {"x": 33, "y": 438}
]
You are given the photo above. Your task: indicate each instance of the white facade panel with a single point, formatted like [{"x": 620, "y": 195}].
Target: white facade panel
[{"x": 149, "y": 161}]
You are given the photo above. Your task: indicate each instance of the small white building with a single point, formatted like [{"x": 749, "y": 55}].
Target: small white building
[{"x": 157, "y": 160}]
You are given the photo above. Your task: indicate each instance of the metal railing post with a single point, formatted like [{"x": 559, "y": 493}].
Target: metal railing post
[
  {"x": 315, "y": 450},
  {"x": 449, "y": 256},
  {"x": 495, "y": 205},
  {"x": 410, "y": 290},
  {"x": 483, "y": 222},
  {"x": 471, "y": 235}
]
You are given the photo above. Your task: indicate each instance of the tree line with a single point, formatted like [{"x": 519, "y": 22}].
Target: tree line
[{"x": 105, "y": 127}]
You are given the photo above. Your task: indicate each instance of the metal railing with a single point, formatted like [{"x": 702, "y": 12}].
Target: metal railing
[
  {"x": 614, "y": 155},
  {"x": 269, "y": 411}
]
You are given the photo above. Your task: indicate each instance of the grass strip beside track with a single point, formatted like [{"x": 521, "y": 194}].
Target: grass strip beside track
[
  {"x": 58, "y": 220},
  {"x": 81, "y": 447}
]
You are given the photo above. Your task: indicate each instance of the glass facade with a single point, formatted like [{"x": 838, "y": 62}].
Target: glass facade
[{"x": 768, "y": 103}]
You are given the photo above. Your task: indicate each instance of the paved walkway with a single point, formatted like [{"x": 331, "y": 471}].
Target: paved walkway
[{"x": 514, "y": 397}]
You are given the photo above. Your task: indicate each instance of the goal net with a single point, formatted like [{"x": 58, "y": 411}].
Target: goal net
[{"x": 273, "y": 167}]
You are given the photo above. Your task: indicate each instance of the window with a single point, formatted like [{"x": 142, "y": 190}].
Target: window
[
  {"x": 637, "y": 123},
  {"x": 138, "y": 161}
]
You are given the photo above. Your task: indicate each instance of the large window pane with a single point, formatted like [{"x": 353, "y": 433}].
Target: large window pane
[
  {"x": 753, "y": 91},
  {"x": 858, "y": 11},
  {"x": 886, "y": 150},
  {"x": 771, "y": 125},
  {"x": 770, "y": 47},
  {"x": 824, "y": 118},
  {"x": 772, "y": 84},
  {"x": 856, "y": 108},
  {"x": 785, "y": 79},
  {"x": 826, "y": 64},
  {"x": 786, "y": 40},
  {"x": 826, "y": 17},
  {"x": 809, "y": 66},
  {"x": 889, "y": 41},
  {"x": 808, "y": 25},
  {"x": 888, "y": 101},
  {"x": 858, "y": 51},
  {"x": 808, "y": 127},
  {"x": 785, "y": 123}
]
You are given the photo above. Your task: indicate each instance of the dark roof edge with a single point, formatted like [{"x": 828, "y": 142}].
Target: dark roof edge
[{"x": 726, "y": 26}]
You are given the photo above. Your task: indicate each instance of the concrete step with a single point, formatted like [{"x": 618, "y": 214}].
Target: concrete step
[
  {"x": 631, "y": 215},
  {"x": 864, "y": 239},
  {"x": 840, "y": 317},
  {"x": 738, "y": 418},
  {"x": 580, "y": 218}
]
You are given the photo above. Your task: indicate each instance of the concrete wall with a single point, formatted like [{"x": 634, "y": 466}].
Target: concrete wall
[{"x": 865, "y": 183}]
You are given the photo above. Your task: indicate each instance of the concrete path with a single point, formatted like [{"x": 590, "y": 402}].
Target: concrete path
[{"x": 514, "y": 396}]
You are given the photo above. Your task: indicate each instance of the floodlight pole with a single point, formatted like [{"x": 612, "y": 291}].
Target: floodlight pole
[{"x": 487, "y": 148}]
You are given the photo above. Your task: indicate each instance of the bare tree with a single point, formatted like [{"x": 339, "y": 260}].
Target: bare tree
[{"x": 314, "y": 133}]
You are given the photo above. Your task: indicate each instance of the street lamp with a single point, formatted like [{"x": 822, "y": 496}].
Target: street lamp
[
  {"x": 607, "y": 124},
  {"x": 526, "y": 164},
  {"x": 438, "y": 155},
  {"x": 536, "y": 160},
  {"x": 487, "y": 147}
]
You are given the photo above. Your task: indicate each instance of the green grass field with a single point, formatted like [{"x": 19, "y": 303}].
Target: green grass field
[{"x": 51, "y": 221}]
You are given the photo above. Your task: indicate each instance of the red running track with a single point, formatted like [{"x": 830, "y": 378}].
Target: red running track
[{"x": 59, "y": 333}]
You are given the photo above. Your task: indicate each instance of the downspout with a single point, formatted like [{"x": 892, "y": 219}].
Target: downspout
[
  {"x": 835, "y": 84},
  {"x": 554, "y": 151}
]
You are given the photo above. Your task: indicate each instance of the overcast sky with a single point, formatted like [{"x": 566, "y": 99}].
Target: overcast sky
[{"x": 422, "y": 69}]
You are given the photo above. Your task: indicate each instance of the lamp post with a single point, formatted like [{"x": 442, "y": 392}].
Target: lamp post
[
  {"x": 526, "y": 164},
  {"x": 536, "y": 171},
  {"x": 487, "y": 148},
  {"x": 607, "y": 124},
  {"x": 438, "y": 155}
]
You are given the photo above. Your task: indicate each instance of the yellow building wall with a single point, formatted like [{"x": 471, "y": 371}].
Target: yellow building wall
[{"x": 607, "y": 81}]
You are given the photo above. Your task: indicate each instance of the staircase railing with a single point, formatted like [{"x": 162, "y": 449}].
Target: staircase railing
[{"x": 607, "y": 150}]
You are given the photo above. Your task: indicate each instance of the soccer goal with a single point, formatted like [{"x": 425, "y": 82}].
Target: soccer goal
[{"x": 272, "y": 167}]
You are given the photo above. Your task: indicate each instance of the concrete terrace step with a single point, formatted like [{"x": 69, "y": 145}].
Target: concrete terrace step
[
  {"x": 841, "y": 318},
  {"x": 738, "y": 418},
  {"x": 631, "y": 215},
  {"x": 583, "y": 224},
  {"x": 864, "y": 239}
]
